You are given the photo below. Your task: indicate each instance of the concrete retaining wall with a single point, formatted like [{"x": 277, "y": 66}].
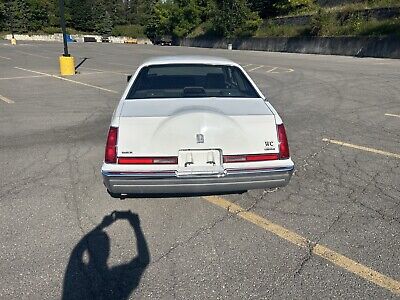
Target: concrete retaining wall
[
  {"x": 57, "y": 37},
  {"x": 385, "y": 47}
]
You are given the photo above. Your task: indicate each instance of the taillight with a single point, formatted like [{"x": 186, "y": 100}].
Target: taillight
[
  {"x": 110, "y": 156},
  {"x": 249, "y": 158},
  {"x": 170, "y": 160},
  {"x": 283, "y": 143}
]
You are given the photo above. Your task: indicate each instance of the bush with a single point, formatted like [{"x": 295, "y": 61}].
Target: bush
[
  {"x": 51, "y": 30},
  {"x": 378, "y": 28},
  {"x": 324, "y": 24},
  {"x": 249, "y": 26},
  {"x": 283, "y": 7},
  {"x": 128, "y": 30},
  {"x": 273, "y": 30}
]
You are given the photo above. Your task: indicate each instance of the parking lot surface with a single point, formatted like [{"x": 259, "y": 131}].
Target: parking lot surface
[{"x": 334, "y": 232}]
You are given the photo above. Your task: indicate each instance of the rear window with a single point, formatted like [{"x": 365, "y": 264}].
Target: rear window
[{"x": 191, "y": 80}]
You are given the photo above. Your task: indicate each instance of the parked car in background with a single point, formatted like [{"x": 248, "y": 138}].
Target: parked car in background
[
  {"x": 163, "y": 41},
  {"x": 105, "y": 39}
]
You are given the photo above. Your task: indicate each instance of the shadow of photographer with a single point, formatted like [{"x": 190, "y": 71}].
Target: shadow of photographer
[{"x": 88, "y": 276}]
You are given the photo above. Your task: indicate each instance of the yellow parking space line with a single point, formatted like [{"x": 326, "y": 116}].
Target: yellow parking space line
[
  {"x": 256, "y": 68},
  {"x": 317, "y": 249},
  {"x": 372, "y": 150},
  {"x": 5, "y": 99},
  {"x": 392, "y": 115},
  {"x": 3, "y": 57},
  {"x": 69, "y": 80},
  {"x": 21, "y": 77}
]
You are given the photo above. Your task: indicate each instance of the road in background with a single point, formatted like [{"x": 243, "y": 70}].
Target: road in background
[{"x": 344, "y": 194}]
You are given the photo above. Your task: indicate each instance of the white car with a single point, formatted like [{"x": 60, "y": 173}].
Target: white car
[{"x": 194, "y": 124}]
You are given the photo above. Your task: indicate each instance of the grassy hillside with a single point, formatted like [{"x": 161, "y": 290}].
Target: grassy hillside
[{"x": 349, "y": 19}]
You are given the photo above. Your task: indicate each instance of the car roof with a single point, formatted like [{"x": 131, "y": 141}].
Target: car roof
[{"x": 189, "y": 59}]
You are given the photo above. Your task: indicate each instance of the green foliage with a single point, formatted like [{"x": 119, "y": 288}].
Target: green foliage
[
  {"x": 380, "y": 28},
  {"x": 38, "y": 16},
  {"x": 325, "y": 24},
  {"x": 178, "y": 18},
  {"x": 134, "y": 31},
  {"x": 272, "y": 30},
  {"x": 101, "y": 19},
  {"x": 234, "y": 18},
  {"x": 283, "y": 7},
  {"x": 3, "y": 16},
  {"x": 265, "y": 8},
  {"x": 51, "y": 30},
  {"x": 19, "y": 16},
  {"x": 249, "y": 26},
  {"x": 81, "y": 14},
  {"x": 191, "y": 18}
]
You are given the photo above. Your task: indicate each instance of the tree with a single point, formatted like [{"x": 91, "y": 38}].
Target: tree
[
  {"x": 19, "y": 15},
  {"x": 81, "y": 14},
  {"x": 38, "y": 17},
  {"x": 233, "y": 17},
  {"x": 3, "y": 15},
  {"x": 264, "y": 8},
  {"x": 101, "y": 18}
]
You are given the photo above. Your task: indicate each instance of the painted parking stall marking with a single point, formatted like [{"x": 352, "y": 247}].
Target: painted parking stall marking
[
  {"x": 363, "y": 148},
  {"x": 106, "y": 71},
  {"x": 22, "y": 77},
  {"x": 392, "y": 115},
  {"x": 332, "y": 256},
  {"x": 256, "y": 68},
  {"x": 271, "y": 69},
  {"x": 32, "y": 54},
  {"x": 69, "y": 80},
  {"x": 5, "y": 99}
]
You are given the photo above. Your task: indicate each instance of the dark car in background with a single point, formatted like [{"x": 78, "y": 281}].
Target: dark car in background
[{"x": 163, "y": 41}]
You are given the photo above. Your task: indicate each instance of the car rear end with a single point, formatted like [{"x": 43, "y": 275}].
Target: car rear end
[
  {"x": 195, "y": 144},
  {"x": 195, "y": 170}
]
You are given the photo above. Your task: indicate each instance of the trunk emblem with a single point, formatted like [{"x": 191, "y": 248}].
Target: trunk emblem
[{"x": 200, "y": 138}]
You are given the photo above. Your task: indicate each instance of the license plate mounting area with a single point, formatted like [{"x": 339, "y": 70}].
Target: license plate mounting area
[{"x": 200, "y": 162}]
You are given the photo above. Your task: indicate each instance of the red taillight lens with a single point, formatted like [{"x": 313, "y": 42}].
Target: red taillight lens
[
  {"x": 111, "y": 146},
  {"x": 250, "y": 158},
  {"x": 283, "y": 143},
  {"x": 173, "y": 160}
]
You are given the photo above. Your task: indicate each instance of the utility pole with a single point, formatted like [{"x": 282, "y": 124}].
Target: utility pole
[
  {"x": 67, "y": 63},
  {"x": 63, "y": 28},
  {"x": 11, "y": 16}
]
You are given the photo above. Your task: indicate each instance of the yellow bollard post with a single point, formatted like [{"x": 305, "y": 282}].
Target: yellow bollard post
[
  {"x": 67, "y": 65},
  {"x": 13, "y": 41}
]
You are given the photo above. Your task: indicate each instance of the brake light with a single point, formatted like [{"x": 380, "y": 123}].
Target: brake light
[
  {"x": 250, "y": 158},
  {"x": 110, "y": 156},
  {"x": 172, "y": 160},
  {"x": 283, "y": 142}
]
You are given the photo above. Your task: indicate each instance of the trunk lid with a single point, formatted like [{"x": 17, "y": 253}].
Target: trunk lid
[{"x": 163, "y": 127}]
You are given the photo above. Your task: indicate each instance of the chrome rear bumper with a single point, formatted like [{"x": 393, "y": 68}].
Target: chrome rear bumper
[{"x": 170, "y": 183}]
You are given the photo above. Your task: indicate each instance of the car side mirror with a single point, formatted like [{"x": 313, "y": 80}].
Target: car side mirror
[{"x": 128, "y": 78}]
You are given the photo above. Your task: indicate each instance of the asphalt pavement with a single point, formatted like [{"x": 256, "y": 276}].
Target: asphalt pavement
[{"x": 334, "y": 232}]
